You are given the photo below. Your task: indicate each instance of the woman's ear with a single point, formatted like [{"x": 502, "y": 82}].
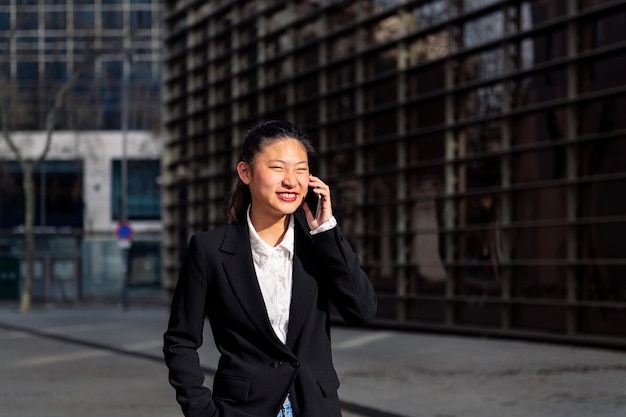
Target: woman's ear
[{"x": 243, "y": 170}]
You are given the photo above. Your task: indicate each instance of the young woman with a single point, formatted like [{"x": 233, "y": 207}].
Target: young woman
[{"x": 265, "y": 281}]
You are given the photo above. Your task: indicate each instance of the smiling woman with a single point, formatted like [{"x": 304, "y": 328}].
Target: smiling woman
[{"x": 275, "y": 354}]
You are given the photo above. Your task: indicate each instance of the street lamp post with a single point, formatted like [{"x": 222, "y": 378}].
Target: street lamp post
[{"x": 125, "y": 243}]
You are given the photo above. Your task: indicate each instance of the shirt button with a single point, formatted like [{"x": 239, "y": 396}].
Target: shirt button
[{"x": 294, "y": 363}]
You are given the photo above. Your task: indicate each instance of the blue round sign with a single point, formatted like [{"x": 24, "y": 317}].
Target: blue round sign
[{"x": 124, "y": 231}]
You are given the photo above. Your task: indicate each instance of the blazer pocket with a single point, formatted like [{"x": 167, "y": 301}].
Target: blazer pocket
[
  {"x": 231, "y": 388},
  {"x": 329, "y": 383}
]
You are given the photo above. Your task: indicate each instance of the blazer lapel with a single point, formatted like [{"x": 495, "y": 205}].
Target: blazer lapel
[
  {"x": 304, "y": 285},
  {"x": 242, "y": 277}
]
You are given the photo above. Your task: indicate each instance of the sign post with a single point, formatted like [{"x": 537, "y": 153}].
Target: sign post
[{"x": 124, "y": 235}]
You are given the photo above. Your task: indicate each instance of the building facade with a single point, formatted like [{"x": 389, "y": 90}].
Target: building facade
[
  {"x": 77, "y": 202},
  {"x": 474, "y": 148},
  {"x": 106, "y": 55}
]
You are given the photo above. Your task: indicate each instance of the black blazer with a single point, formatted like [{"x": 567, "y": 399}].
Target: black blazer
[{"x": 256, "y": 370}]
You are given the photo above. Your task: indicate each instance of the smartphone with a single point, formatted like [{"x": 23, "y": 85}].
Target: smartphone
[{"x": 313, "y": 200}]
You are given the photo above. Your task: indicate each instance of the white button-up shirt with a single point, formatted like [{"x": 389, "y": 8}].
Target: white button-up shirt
[{"x": 274, "y": 268}]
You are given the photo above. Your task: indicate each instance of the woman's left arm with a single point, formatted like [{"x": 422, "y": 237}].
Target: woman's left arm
[{"x": 349, "y": 287}]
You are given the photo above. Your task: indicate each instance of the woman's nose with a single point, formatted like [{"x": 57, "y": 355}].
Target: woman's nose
[{"x": 290, "y": 179}]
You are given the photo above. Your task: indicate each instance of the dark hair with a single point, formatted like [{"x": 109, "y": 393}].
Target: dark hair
[{"x": 254, "y": 143}]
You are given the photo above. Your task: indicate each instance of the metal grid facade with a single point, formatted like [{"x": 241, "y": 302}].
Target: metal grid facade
[{"x": 475, "y": 149}]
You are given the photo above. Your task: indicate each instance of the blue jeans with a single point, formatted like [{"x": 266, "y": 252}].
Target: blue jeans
[{"x": 286, "y": 410}]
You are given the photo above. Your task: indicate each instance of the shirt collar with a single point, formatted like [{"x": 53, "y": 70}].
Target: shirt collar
[{"x": 261, "y": 247}]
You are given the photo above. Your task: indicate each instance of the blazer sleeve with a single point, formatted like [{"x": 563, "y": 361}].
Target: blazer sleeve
[
  {"x": 184, "y": 335},
  {"x": 349, "y": 287}
]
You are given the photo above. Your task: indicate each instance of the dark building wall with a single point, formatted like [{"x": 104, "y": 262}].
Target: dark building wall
[{"x": 475, "y": 149}]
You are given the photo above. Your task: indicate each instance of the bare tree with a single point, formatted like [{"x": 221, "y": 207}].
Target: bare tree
[{"x": 10, "y": 95}]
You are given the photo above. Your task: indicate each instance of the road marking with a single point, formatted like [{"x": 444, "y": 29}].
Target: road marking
[
  {"x": 150, "y": 344},
  {"x": 65, "y": 357},
  {"x": 10, "y": 335},
  {"x": 79, "y": 328},
  {"x": 362, "y": 340},
  {"x": 84, "y": 354}
]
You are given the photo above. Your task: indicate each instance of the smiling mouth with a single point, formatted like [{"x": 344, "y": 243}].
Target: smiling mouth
[{"x": 288, "y": 196}]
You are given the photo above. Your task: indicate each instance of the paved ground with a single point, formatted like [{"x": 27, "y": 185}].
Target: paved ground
[{"x": 104, "y": 362}]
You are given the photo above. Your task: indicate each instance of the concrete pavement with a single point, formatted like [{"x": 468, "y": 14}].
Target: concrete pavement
[{"x": 100, "y": 361}]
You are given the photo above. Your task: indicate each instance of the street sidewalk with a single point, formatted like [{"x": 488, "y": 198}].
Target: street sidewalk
[{"x": 101, "y": 361}]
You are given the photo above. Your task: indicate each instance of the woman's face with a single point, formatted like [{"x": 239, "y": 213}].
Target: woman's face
[{"x": 279, "y": 179}]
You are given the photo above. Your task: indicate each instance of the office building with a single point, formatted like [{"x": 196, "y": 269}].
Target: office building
[{"x": 109, "y": 54}]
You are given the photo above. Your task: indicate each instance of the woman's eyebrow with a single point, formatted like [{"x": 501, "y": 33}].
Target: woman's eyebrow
[{"x": 283, "y": 162}]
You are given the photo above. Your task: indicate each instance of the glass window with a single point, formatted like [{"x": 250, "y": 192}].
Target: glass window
[
  {"x": 143, "y": 192},
  {"x": 602, "y": 156},
  {"x": 140, "y": 72},
  {"x": 430, "y": 13},
  {"x": 341, "y": 47},
  {"x": 481, "y": 66},
  {"x": 380, "y": 156},
  {"x": 384, "y": 31},
  {"x": 59, "y": 189},
  {"x": 140, "y": 19},
  {"x": 343, "y": 16},
  {"x": 427, "y": 79},
  {"x": 603, "y": 199},
  {"x": 310, "y": 31},
  {"x": 540, "y": 165},
  {"x": 55, "y": 20},
  {"x": 426, "y": 114},
  {"x": 534, "y": 204},
  {"x": 306, "y": 87},
  {"x": 341, "y": 76},
  {"x": 602, "y": 115},
  {"x": 482, "y": 30},
  {"x": 340, "y": 105},
  {"x": 380, "y": 125},
  {"x": 602, "y": 72},
  {"x": 112, "y": 19},
  {"x": 603, "y": 31},
  {"x": 110, "y": 116},
  {"x": 27, "y": 72},
  {"x": 307, "y": 59},
  {"x": 380, "y": 94},
  {"x": 545, "y": 10},
  {"x": 84, "y": 19},
  {"x": 429, "y": 48},
  {"x": 29, "y": 21},
  {"x": 380, "y": 63},
  {"x": 55, "y": 71},
  {"x": 27, "y": 42},
  {"x": 481, "y": 101},
  {"x": 542, "y": 126},
  {"x": 341, "y": 134},
  {"x": 5, "y": 21},
  {"x": 112, "y": 70}
]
